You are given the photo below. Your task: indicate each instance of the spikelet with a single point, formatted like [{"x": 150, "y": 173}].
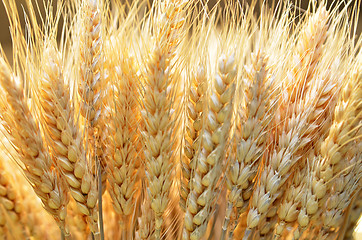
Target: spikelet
[
  {"x": 24, "y": 134},
  {"x": 158, "y": 111},
  {"x": 252, "y": 140},
  {"x": 64, "y": 137}
]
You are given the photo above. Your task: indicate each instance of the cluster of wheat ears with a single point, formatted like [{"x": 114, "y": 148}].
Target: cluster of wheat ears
[{"x": 174, "y": 121}]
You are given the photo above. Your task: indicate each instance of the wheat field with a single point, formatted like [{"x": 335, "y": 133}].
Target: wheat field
[{"x": 171, "y": 120}]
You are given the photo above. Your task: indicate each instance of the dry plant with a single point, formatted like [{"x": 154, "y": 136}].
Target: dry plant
[{"x": 169, "y": 120}]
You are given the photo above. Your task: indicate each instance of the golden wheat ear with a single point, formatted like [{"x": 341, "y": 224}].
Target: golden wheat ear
[
  {"x": 160, "y": 105},
  {"x": 123, "y": 173},
  {"x": 63, "y": 134},
  {"x": 196, "y": 105},
  {"x": 25, "y": 135},
  {"x": 209, "y": 162},
  {"x": 11, "y": 210},
  {"x": 309, "y": 50},
  {"x": 251, "y": 138},
  {"x": 341, "y": 169}
]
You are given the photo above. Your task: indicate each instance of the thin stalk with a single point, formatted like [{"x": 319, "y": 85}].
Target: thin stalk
[
  {"x": 62, "y": 235},
  {"x": 229, "y": 210},
  {"x": 101, "y": 228}
]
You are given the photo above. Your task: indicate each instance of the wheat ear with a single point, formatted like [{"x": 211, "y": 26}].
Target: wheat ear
[
  {"x": 92, "y": 84},
  {"x": 250, "y": 146},
  {"x": 91, "y": 62},
  {"x": 158, "y": 109},
  {"x": 11, "y": 210},
  {"x": 63, "y": 135},
  {"x": 279, "y": 162},
  {"x": 340, "y": 196},
  {"x": 122, "y": 169},
  {"x": 320, "y": 182},
  {"x": 309, "y": 50},
  {"x": 195, "y": 108},
  {"x": 335, "y": 156},
  {"x": 26, "y": 137},
  {"x": 320, "y": 97},
  {"x": 289, "y": 146},
  {"x": 322, "y": 169},
  {"x": 210, "y": 155},
  {"x": 346, "y": 124}
]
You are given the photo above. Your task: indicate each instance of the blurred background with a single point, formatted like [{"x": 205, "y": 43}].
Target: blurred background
[{"x": 5, "y": 39}]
